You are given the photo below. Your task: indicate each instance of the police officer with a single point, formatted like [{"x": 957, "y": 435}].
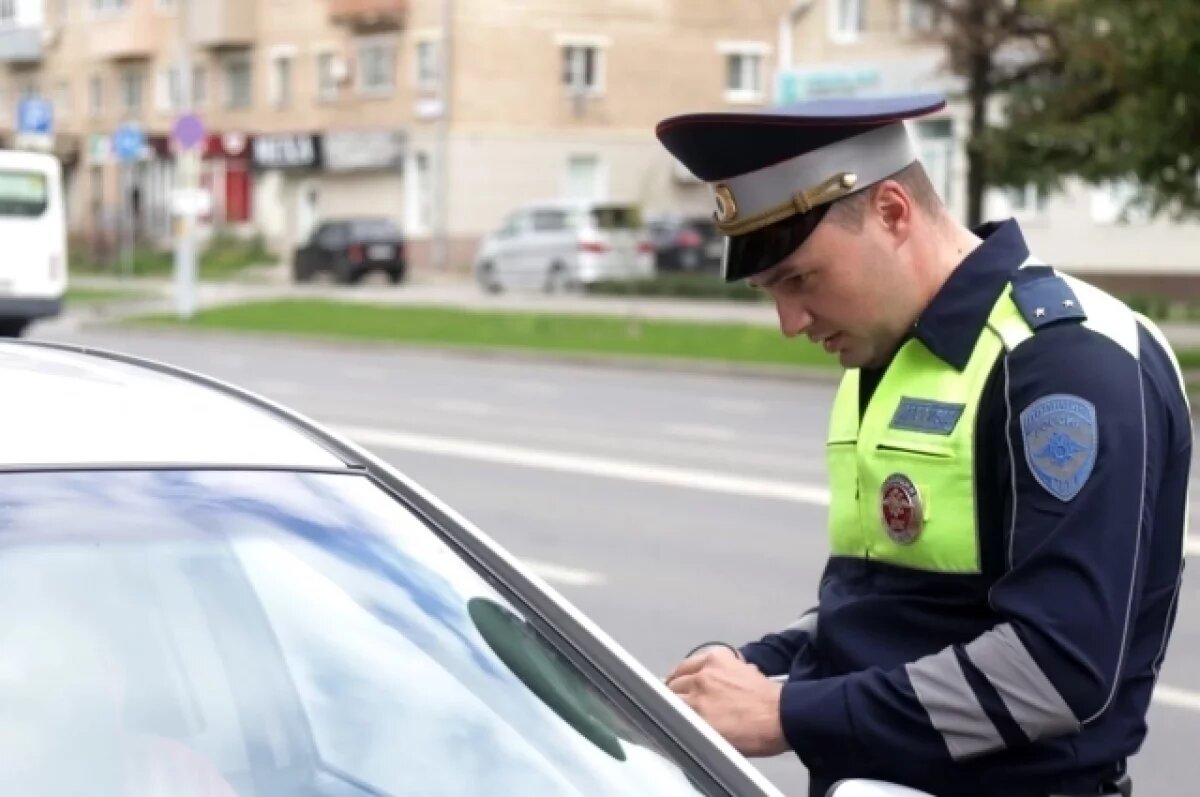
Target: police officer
[{"x": 1008, "y": 456}]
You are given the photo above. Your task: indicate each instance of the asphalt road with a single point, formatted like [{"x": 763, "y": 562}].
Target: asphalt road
[{"x": 672, "y": 508}]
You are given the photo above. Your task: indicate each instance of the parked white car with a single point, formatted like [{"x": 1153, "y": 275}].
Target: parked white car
[{"x": 561, "y": 245}]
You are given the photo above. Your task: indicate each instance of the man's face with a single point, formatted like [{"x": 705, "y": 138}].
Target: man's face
[{"x": 846, "y": 290}]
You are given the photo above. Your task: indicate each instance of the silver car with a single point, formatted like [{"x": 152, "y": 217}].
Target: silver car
[
  {"x": 563, "y": 245},
  {"x": 206, "y": 594}
]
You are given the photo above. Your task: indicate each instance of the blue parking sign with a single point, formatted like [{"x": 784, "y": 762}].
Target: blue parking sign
[
  {"x": 129, "y": 141},
  {"x": 35, "y": 116}
]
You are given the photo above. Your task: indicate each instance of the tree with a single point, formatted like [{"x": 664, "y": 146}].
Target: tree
[
  {"x": 994, "y": 46},
  {"x": 1113, "y": 100}
]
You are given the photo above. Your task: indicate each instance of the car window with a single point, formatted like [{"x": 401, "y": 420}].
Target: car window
[
  {"x": 286, "y": 634},
  {"x": 616, "y": 217},
  {"x": 374, "y": 230},
  {"x": 513, "y": 225},
  {"x": 23, "y": 193},
  {"x": 550, "y": 220},
  {"x": 333, "y": 236}
]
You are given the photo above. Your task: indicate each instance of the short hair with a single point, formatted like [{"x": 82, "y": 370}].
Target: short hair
[{"x": 849, "y": 212}]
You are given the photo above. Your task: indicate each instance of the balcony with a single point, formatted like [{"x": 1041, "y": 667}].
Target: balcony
[
  {"x": 21, "y": 45},
  {"x": 127, "y": 34},
  {"x": 368, "y": 15},
  {"x": 222, "y": 23}
]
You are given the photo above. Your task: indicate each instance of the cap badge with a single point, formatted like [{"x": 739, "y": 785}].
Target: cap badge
[
  {"x": 726, "y": 206},
  {"x": 901, "y": 509}
]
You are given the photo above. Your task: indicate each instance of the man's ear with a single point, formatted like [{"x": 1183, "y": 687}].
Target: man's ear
[{"x": 893, "y": 209}]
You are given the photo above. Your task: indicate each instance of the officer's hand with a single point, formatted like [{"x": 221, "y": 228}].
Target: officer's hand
[
  {"x": 738, "y": 701},
  {"x": 698, "y": 660}
]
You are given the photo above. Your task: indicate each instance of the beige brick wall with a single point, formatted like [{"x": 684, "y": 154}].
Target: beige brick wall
[
  {"x": 493, "y": 173},
  {"x": 883, "y": 37},
  {"x": 659, "y": 57},
  {"x": 513, "y": 125}
]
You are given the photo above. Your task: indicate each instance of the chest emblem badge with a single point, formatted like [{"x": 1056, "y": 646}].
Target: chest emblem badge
[{"x": 900, "y": 509}]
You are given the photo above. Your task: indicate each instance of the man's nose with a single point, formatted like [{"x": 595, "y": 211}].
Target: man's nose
[{"x": 794, "y": 319}]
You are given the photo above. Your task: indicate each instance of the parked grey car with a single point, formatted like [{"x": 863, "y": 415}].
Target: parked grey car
[{"x": 562, "y": 245}]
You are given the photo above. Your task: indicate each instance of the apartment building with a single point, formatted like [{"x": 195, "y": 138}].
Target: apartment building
[
  {"x": 861, "y": 47},
  {"x": 323, "y": 108}
]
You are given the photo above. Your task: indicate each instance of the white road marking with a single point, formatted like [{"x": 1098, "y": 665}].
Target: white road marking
[
  {"x": 1192, "y": 546},
  {"x": 591, "y": 466},
  {"x": 463, "y": 407},
  {"x": 1171, "y": 696},
  {"x": 1175, "y": 697},
  {"x": 699, "y": 432},
  {"x": 567, "y": 576}
]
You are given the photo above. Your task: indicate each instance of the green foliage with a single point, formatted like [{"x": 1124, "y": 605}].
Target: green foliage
[{"x": 1116, "y": 102}]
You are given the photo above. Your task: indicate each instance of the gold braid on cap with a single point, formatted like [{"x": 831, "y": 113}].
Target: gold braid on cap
[{"x": 834, "y": 188}]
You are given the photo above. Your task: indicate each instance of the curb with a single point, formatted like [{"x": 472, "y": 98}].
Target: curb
[{"x": 696, "y": 367}]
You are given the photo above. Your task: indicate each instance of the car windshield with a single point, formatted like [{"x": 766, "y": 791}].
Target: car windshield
[
  {"x": 22, "y": 193},
  {"x": 265, "y": 634},
  {"x": 374, "y": 230}
]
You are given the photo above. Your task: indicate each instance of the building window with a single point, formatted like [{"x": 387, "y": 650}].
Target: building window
[
  {"x": 743, "y": 75},
  {"x": 743, "y": 70},
  {"x": 848, "y": 19},
  {"x": 8, "y": 11},
  {"x": 131, "y": 91},
  {"x": 1113, "y": 202},
  {"x": 95, "y": 95},
  {"x": 108, "y": 6},
  {"x": 199, "y": 86},
  {"x": 167, "y": 90},
  {"x": 428, "y": 64},
  {"x": 917, "y": 17},
  {"x": 281, "y": 81},
  {"x": 328, "y": 76},
  {"x": 1026, "y": 201},
  {"x": 238, "y": 89},
  {"x": 935, "y": 142},
  {"x": 377, "y": 66},
  {"x": 584, "y": 178},
  {"x": 583, "y": 69}
]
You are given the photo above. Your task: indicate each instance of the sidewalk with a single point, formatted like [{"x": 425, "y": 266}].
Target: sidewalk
[{"x": 456, "y": 292}]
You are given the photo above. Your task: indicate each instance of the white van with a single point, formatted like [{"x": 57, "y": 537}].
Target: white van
[
  {"x": 563, "y": 244},
  {"x": 33, "y": 236}
]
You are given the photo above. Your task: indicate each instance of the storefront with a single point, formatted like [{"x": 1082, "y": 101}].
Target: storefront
[
  {"x": 363, "y": 174},
  {"x": 286, "y": 167}
]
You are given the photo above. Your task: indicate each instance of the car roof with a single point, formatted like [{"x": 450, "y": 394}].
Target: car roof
[{"x": 71, "y": 406}]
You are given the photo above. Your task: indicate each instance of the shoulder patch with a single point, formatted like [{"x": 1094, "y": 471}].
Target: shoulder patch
[
  {"x": 1061, "y": 438},
  {"x": 1043, "y": 297}
]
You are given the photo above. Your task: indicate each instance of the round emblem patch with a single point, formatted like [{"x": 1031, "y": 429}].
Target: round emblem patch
[
  {"x": 900, "y": 509},
  {"x": 726, "y": 206}
]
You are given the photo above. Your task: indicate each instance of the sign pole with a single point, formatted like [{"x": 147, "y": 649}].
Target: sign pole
[
  {"x": 187, "y": 175},
  {"x": 127, "y": 219}
]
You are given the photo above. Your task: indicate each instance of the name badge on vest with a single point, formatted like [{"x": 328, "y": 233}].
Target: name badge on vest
[{"x": 922, "y": 415}]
